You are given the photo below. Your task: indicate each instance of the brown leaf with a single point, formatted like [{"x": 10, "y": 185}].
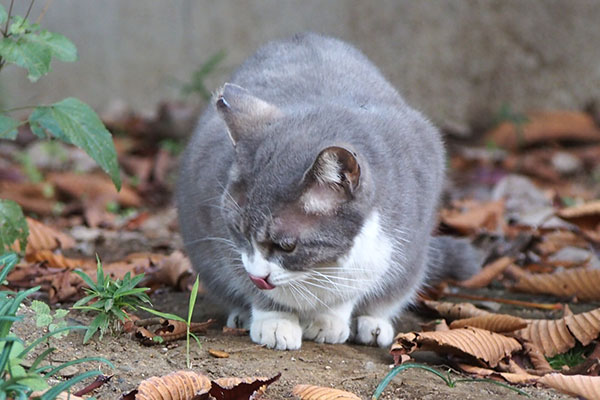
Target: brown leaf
[
  {"x": 544, "y": 126},
  {"x": 93, "y": 186},
  {"x": 550, "y": 336},
  {"x": 536, "y": 357},
  {"x": 30, "y": 196},
  {"x": 218, "y": 354},
  {"x": 584, "y": 326},
  {"x": 455, "y": 310},
  {"x": 485, "y": 346},
  {"x": 174, "y": 271},
  {"x": 44, "y": 237},
  {"x": 310, "y": 392},
  {"x": 180, "y": 385},
  {"x": 234, "y": 331},
  {"x": 487, "y": 273},
  {"x": 240, "y": 388},
  {"x": 493, "y": 322},
  {"x": 580, "y": 282},
  {"x": 59, "y": 261},
  {"x": 486, "y": 216},
  {"x": 511, "y": 377},
  {"x": 575, "y": 385}
]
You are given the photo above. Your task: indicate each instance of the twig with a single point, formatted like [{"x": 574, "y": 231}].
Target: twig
[
  {"x": 8, "y": 18},
  {"x": 28, "y": 11},
  {"x": 542, "y": 306},
  {"x": 46, "y": 6}
]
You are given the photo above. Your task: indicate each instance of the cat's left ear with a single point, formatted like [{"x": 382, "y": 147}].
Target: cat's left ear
[
  {"x": 336, "y": 167},
  {"x": 242, "y": 112}
]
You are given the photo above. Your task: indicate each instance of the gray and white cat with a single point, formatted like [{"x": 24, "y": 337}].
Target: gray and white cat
[{"x": 308, "y": 195}]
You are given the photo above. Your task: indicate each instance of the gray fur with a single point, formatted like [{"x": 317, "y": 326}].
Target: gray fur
[{"x": 289, "y": 101}]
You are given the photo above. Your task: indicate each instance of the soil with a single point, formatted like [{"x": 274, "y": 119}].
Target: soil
[{"x": 354, "y": 368}]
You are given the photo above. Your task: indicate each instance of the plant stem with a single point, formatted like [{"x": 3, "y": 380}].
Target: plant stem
[
  {"x": 28, "y": 11},
  {"x": 46, "y": 6},
  {"x": 16, "y": 109},
  {"x": 8, "y": 18}
]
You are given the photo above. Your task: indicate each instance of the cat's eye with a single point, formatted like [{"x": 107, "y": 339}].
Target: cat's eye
[{"x": 286, "y": 246}]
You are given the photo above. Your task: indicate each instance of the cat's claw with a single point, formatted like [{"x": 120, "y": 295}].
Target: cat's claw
[
  {"x": 374, "y": 331},
  {"x": 277, "y": 333},
  {"x": 327, "y": 328},
  {"x": 238, "y": 318}
]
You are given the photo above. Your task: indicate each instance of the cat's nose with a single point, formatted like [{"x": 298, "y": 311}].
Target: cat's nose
[{"x": 261, "y": 283}]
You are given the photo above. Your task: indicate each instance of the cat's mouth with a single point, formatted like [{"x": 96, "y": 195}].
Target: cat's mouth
[{"x": 261, "y": 283}]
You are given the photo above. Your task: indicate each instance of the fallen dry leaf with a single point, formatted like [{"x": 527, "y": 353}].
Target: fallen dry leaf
[
  {"x": 169, "y": 330},
  {"x": 475, "y": 218},
  {"x": 536, "y": 357},
  {"x": 580, "y": 282},
  {"x": 180, "y": 385},
  {"x": 31, "y": 196},
  {"x": 556, "y": 336},
  {"x": 44, "y": 237},
  {"x": 239, "y": 388},
  {"x": 492, "y": 322},
  {"x": 55, "y": 260},
  {"x": 455, "y": 310},
  {"x": 218, "y": 354},
  {"x": 174, "y": 270},
  {"x": 485, "y": 346},
  {"x": 487, "y": 274},
  {"x": 511, "y": 377},
  {"x": 310, "y": 392},
  {"x": 234, "y": 331},
  {"x": 587, "y": 387},
  {"x": 546, "y": 126}
]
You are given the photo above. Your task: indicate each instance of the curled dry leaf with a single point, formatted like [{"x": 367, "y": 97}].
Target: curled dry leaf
[
  {"x": 30, "y": 196},
  {"x": 218, "y": 354},
  {"x": 180, "y": 385},
  {"x": 239, "y": 388},
  {"x": 59, "y": 261},
  {"x": 487, "y": 273},
  {"x": 44, "y": 237},
  {"x": 492, "y": 322},
  {"x": 310, "y": 392},
  {"x": 173, "y": 270},
  {"x": 544, "y": 126},
  {"x": 511, "y": 377},
  {"x": 557, "y": 336},
  {"x": 169, "y": 330},
  {"x": 477, "y": 217},
  {"x": 537, "y": 359},
  {"x": 587, "y": 387},
  {"x": 455, "y": 310},
  {"x": 580, "y": 282},
  {"x": 485, "y": 346}
]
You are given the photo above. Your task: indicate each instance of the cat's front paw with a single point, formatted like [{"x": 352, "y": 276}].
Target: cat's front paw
[
  {"x": 238, "y": 318},
  {"x": 276, "y": 330},
  {"x": 327, "y": 328},
  {"x": 374, "y": 331}
]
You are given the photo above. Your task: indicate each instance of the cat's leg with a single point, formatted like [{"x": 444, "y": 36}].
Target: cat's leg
[
  {"x": 374, "y": 325},
  {"x": 276, "y": 329},
  {"x": 330, "y": 326},
  {"x": 239, "y": 318}
]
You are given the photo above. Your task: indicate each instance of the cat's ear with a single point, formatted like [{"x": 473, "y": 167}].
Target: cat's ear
[
  {"x": 242, "y": 112},
  {"x": 336, "y": 166}
]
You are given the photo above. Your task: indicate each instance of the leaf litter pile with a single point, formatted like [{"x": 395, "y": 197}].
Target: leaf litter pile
[{"x": 527, "y": 197}]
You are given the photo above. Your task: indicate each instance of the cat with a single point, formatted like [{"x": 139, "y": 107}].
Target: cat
[{"x": 307, "y": 197}]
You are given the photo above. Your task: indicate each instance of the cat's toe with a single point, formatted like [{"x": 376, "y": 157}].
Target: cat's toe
[
  {"x": 239, "y": 318},
  {"x": 276, "y": 333},
  {"x": 327, "y": 329},
  {"x": 374, "y": 331}
]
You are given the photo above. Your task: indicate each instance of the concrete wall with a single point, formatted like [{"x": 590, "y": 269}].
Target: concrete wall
[{"x": 457, "y": 60}]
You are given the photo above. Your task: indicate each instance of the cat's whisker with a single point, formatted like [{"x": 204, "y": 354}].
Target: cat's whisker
[
  {"x": 335, "y": 285},
  {"x": 303, "y": 293},
  {"x": 215, "y": 239}
]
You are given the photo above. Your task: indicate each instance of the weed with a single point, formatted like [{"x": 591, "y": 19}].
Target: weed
[
  {"x": 110, "y": 298},
  {"x": 448, "y": 380},
  {"x": 197, "y": 84},
  {"x": 16, "y": 380},
  {"x": 191, "y": 305},
  {"x": 571, "y": 358},
  {"x": 45, "y": 318}
]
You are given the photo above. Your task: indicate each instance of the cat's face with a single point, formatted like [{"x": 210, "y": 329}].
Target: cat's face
[{"x": 292, "y": 205}]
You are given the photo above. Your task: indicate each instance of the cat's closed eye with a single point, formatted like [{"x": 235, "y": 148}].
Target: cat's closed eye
[{"x": 284, "y": 246}]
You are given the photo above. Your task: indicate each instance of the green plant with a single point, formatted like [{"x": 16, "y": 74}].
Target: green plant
[
  {"x": 16, "y": 380},
  {"x": 188, "y": 334},
  {"x": 110, "y": 298},
  {"x": 571, "y": 358},
  {"x": 198, "y": 85},
  {"x": 448, "y": 380},
  {"x": 27, "y": 45},
  {"x": 45, "y": 317}
]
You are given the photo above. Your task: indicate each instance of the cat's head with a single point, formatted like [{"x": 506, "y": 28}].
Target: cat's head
[{"x": 296, "y": 197}]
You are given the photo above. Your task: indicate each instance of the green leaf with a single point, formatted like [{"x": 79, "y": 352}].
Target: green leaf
[
  {"x": 192, "y": 302},
  {"x": 8, "y": 127},
  {"x": 13, "y": 226},
  {"x": 43, "y": 320},
  {"x": 34, "y": 382},
  {"x": 32, "y": 56},
  {"x": 59, "y": 46},
  {"x": 99, "y": 323},
  {"x": 60, "y": 313},
  {"x": 40, "y": 307},
  {"x": 163, "y": 314},
  {"x": 3, "y": 14},
  {"x": 75, "y": 122},
  {"x": 20, "y": 26}
]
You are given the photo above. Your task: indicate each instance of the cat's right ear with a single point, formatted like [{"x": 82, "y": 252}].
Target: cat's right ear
[{"x": 242, "y": 112}]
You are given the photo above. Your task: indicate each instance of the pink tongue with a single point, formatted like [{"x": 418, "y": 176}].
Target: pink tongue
[{"x": 261, "y": 283}]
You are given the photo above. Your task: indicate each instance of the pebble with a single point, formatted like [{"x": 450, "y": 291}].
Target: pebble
[{"x": 566, "y": 163}]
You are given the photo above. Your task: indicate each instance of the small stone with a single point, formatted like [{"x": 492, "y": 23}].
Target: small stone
[
  {"x": 566, "y": 163},
  {"x": 327, "y": 367},
  {"x": 369, "y": 365},
  {"x": 69, "y": 371}
]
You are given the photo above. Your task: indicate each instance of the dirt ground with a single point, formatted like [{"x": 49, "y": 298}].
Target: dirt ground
[{"x": 354, "y": 368}]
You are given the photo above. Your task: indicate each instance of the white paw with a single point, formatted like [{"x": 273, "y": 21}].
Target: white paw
[
  {"x": 374, "y": 331},
  {"x": 327, "y": 328},
  {"x": 238, "y": 318},
  {"x": 276, "y": 330}
]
